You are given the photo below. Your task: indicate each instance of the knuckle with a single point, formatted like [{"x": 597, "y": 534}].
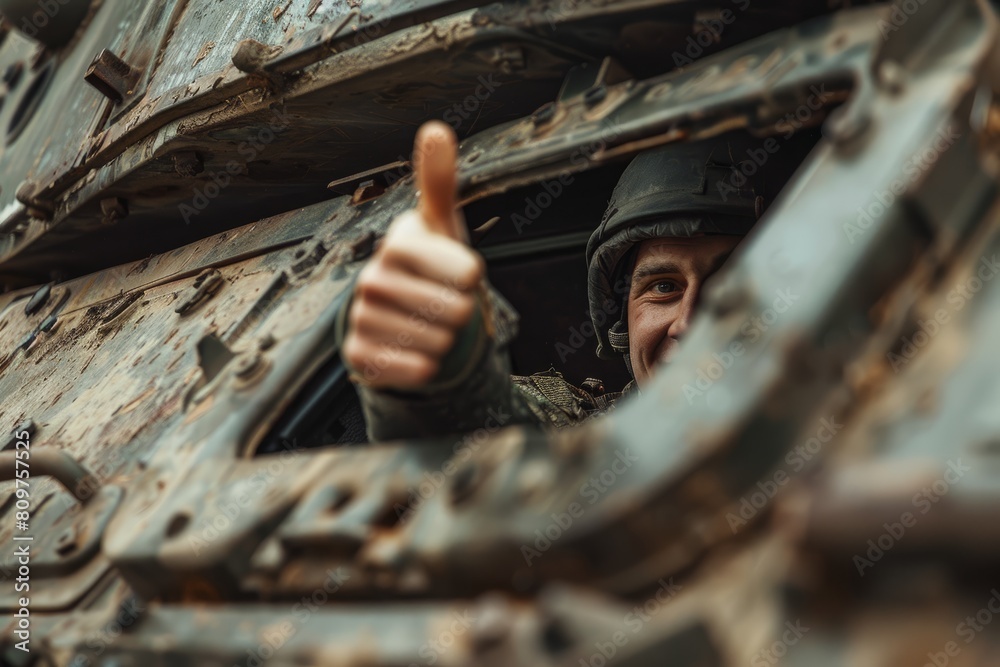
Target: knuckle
[
  {"x": 369, "y": 279},
  {"x": 478, "y": 267},
  {"x": 471, "y": 271},
  {"x": 352, "y": 352},
  {"x": 463, "y": 308},
  {"x": 356, "y": 314},
  {"x": 447, "y": 340},
  {"x": 424, "y": 369},
  {"x": 439, "y": 341}
]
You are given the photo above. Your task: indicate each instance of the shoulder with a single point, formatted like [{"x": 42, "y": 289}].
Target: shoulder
[{"x": 556, "y": 401}]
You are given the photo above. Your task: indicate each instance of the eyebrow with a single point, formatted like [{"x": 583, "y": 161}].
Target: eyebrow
[
  {"x": 654, "y": 269},
  {"x": 665, "y": 268}
]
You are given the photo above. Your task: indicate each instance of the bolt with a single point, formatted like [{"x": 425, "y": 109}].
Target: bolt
[
  {"x": 493, "y": 623},
  {"x": 892, "y": 77},
  {"x": 112, "y": 76},
  {"x": 846, "y": 124},
  {"x": 595, "y": 95},
  {"x": 40, "y": 298},
  {"x": 247, "y": 365},
  {"x": 544, "y": 115}
]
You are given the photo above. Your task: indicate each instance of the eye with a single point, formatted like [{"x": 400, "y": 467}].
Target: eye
[{"x": 664, "y": 287}]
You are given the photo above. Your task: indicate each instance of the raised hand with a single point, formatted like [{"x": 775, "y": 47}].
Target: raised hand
[{"x": 419, "y": 289}]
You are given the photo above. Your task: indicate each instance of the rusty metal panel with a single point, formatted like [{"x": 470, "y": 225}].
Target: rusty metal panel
[{"x": 777, "y": 516}]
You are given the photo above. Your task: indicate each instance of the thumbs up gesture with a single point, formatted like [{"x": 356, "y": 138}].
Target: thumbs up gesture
[{"x": 419, "y": 289}]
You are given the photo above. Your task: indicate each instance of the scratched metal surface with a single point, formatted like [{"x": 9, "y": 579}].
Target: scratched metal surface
[{"x": 355, "y": 78}]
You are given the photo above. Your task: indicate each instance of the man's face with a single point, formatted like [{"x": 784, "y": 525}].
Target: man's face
[{"x": 667, "y": 279}]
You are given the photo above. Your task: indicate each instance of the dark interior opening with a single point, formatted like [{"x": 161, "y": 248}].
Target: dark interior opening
[{"x": 536, "y": 257}]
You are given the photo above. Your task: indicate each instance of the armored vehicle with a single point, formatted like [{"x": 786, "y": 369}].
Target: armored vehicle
[{"x": 190, "y": 187}]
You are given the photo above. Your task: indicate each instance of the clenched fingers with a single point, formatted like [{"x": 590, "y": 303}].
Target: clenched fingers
[
  {"x": 431, "y": 301},
  {"x": 381, "y": 323},
  {"x": 388, "y": 365}
]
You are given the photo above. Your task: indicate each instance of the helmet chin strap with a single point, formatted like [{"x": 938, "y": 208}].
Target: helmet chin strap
[{"x": 618, "y": 337}]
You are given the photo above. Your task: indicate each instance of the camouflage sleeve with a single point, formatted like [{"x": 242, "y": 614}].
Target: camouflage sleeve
[{"x": 473, "y": 391}]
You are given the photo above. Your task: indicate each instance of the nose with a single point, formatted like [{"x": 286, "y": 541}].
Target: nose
[{"x": 678, "y": 328}]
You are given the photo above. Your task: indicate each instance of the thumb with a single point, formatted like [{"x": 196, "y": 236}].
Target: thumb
[{"x": 435, "y": 157}]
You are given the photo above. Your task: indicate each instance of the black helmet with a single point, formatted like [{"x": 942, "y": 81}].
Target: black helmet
[{"x": 717, "y": 186}]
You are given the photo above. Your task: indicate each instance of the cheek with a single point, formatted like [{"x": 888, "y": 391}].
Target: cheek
[{"x": 648, "y": 322}]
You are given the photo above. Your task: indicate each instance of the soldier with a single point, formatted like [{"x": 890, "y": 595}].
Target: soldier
[{"x": 426, "y": 341}]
